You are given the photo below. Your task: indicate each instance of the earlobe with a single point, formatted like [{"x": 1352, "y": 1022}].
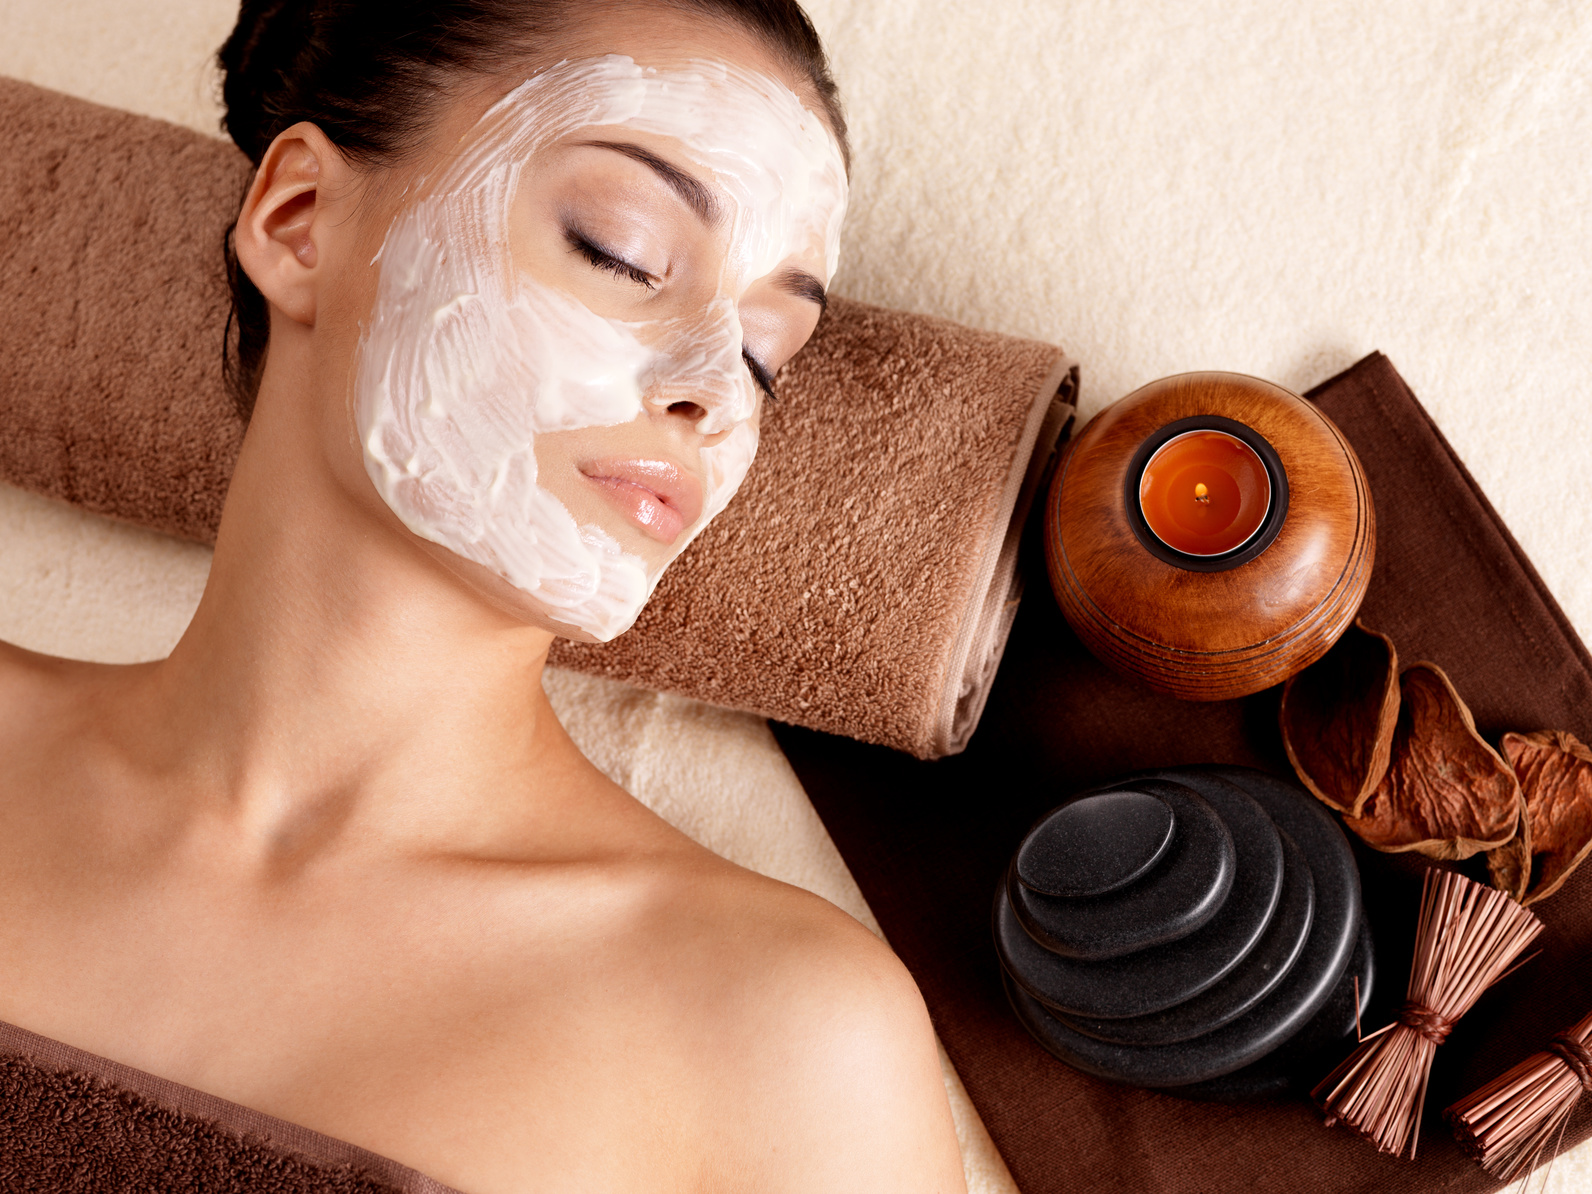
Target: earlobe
[{"x": 282, "y": 217}]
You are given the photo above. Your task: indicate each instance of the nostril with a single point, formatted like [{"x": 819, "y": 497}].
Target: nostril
[{"x": 689, "y": 410}]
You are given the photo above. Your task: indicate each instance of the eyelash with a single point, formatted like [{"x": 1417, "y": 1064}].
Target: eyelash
[
  {"x": 759, "y": 375},
  {"x": 603, "y": 260}
]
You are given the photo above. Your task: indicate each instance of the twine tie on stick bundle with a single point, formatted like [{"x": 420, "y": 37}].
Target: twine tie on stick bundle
[
  {"x": 1509, "y": 1123},
  {"x": 1575, "y": 1055},
  {"x": 1426, "y": 1022},
  {"x": 1467, "y": 938}
]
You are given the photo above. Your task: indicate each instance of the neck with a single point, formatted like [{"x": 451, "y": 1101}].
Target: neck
[{"x": 336, "y": 672}]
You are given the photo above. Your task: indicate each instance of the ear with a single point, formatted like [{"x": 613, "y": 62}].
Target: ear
[{"x": 285, "y": 215}]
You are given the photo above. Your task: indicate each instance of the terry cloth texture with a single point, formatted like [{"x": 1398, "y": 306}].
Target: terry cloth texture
[
  {"x": 862, "y": 582},
  {"x": 928, "y": 843},
  {"x": 112, "y": 301},
  {"x": 72, "y": 1121},
  {"x": 865, "y": 578}
]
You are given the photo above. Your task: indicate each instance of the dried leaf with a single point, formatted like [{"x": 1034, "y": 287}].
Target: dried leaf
[
  {"x": 1509, "y": 865},
  {"x": 1555, "y": 772},
  {"x": 1446, "y": 794},
  {"x": 1338, "y": 717}
]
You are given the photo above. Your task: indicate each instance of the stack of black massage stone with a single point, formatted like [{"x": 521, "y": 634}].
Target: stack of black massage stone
[{"x": 1197, "y": 930}]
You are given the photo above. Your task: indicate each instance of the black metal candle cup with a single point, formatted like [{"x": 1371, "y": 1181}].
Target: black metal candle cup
[
  {"x": 1252, "y": 544},
  {"x": 1210, "y": 624}
]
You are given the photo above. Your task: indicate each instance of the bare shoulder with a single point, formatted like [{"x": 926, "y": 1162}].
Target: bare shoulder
[{"x": 833, "y": 1080}]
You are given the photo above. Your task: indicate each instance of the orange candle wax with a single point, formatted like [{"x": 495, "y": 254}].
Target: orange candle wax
[{"x": 1205, "y": 493}]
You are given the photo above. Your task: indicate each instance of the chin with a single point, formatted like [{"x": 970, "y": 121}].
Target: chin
[{"x": 507, "y": 599}]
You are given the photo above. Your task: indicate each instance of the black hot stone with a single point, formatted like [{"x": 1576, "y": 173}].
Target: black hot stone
[
  {"x": 1314, "y": 831},
  {"x": 1276, "y": 1019},
  {"x": 1179, "y": 895},
  {"x": 1216, "y": 1054},
  {"x": 1246, "y": 985},
  {"x": 1152, "y": 980},
  {"x": 1095, "y": 844},
  {"x": 1309, "y": 1055}
]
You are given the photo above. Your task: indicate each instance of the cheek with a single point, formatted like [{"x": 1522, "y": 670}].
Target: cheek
[
  {"x": 346, "y": 307},
  {"x": 541, "y": 256},
  {"x": 347, "y": 299},
  {"x": 727, "y": 463}
]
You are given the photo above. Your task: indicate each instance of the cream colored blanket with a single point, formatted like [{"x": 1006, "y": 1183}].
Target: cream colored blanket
[{"x": 1228, "y": 184}]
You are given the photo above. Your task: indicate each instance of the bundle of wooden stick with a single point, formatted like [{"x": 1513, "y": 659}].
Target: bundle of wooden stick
[
  {"x": 1467, "y": 938},
  {"x": 1508, "y": 1124}
]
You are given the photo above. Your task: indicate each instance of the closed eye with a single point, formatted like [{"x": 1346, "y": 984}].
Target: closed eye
[
  {"x": 601, "y": 259},
  {"x": 759, "y": 375}
]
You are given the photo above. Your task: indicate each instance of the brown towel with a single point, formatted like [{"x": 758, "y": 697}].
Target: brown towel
[
  {"x": 72, "y": 1121},
  {"x": 927, "y": 843},
  {"x": 862, "y": 582}
]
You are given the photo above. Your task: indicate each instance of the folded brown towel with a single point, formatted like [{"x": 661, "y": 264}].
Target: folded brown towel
[
  {"x": 928, "y": 843},
  {"x": 862, "y": 582},
  {"x": 72, "y": 1121}
]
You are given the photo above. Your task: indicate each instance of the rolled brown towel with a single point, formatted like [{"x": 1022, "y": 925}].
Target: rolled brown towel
[{"x": 862, "y": 581}]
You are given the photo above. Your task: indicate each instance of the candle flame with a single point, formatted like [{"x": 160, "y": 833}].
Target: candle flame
[{"x": 1201, "y": 494}]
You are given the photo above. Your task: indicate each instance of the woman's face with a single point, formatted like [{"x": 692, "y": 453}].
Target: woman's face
[{"x": 578, "y": 316}]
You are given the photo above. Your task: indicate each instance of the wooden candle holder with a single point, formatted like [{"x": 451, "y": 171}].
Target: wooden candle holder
[{"x": 1211, "y": 627}]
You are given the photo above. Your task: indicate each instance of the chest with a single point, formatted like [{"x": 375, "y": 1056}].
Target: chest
[{"x": 465, "y": 1032}]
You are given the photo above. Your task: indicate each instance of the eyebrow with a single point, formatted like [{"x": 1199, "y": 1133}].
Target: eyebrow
[
  {"x": 803, "y": 285},
  {"x": 692, "y": 193},
  {"x": 705, "y": 204}
]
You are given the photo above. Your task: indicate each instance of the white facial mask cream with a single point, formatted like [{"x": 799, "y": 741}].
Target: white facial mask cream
[{"x": 466, "y": 359}]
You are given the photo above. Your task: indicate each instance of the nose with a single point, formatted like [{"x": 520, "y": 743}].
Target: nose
[
  {"x": 700, "y": 376},
  {"x": 689, "y": 411}
]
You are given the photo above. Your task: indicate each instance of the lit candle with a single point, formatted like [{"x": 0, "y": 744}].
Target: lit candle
[{"x": 1205, "y": 493}]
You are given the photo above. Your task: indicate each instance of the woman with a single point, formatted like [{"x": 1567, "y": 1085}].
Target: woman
[{"x": 512, "y": 282}]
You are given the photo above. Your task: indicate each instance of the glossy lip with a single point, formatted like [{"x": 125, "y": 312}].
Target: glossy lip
[{"x": 659, "y": 496}]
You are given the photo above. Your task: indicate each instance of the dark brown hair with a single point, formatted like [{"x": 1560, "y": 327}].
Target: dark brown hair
[{"x": 372, "y": 73}]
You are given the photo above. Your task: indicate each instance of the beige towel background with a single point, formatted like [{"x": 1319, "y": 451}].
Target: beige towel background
[{"x": 1161, "y": 186}]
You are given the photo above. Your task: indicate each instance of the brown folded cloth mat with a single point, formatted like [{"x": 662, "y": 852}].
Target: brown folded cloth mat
[
  {"x": 927, "y": 842},
  {"x": 862, "y": 582},
  {"x": 72, "y": 1121}
]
